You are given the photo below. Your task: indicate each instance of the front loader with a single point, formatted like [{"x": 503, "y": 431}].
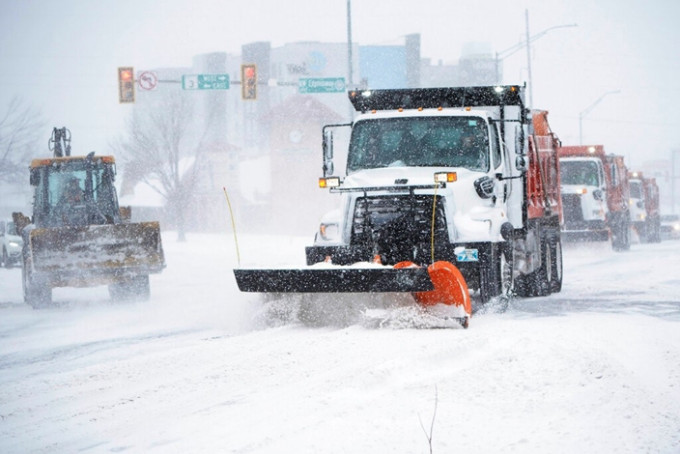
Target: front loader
[{"x": 78, "y": 236}]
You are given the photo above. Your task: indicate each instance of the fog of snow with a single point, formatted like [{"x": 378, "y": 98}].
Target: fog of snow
[{"x": 202, "y": 367}]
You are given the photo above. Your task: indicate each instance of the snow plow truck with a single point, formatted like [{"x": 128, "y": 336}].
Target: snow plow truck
[
  {"x": 78, "y": 236},
  {"x": 448, "y": 193},
  {"x": 644, "y": 207},
  {"x": 595, "y": 194}
]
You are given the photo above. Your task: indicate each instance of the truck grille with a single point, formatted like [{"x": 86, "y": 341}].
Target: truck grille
[
  {"x": 397, "y": 224},
  {"x": 571, "y": 206}
]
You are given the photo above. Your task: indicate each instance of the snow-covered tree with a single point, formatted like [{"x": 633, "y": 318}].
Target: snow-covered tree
[
  {"x": 161, "y": 145},
  {"x": 21, "y": 127}
]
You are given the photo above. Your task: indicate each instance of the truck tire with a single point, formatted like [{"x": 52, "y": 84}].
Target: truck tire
[
  {"x": 507, "y": 272},
  {"x": 37, "y": 293},
  {"x": 132, "y": 288},
  {"x": 496, "y": 276},
  {"x": 555, "y": 244},
  {"x": 538, "y": 282},
  {"x": 487, "y": 286},
  {"x": 621, "y": 234}
]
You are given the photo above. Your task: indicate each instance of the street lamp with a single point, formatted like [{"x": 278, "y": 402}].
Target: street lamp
[
  {"x": 587, "y": 110},
  {"x": 500, "y": 56}
]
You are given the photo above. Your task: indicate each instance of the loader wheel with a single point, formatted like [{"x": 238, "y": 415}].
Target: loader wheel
[
  {"x": 37, "y": 294},
  {"x": 132, "y": 288}
]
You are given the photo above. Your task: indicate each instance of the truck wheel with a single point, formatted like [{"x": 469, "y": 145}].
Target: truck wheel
[
  {"x": 507, "y": 272},
  {"x": 496, "y": 276},
  {"x": 538, "y": 282},
  {"x": 621, "y": 236},
  {"x": 37, "y": 294},
  {"x": 132, "y": 288},
  {"x": 556, "y": 265},
  {"x": 486, "y": 284}
]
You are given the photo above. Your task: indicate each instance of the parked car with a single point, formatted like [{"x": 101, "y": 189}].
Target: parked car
[
  {"x": 11, "y": 244},
  {"x": 670, "y": 227}
]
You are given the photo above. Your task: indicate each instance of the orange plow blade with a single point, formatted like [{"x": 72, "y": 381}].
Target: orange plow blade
[{"x": 449, "y": 286}]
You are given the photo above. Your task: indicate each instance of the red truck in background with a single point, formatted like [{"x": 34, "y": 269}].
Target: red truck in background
[
  {"x": 595, "y": 196},
  {"x": 644, "y": 208}
]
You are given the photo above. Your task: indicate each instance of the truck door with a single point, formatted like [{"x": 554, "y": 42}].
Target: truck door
[{"x": 500, "y": 163}]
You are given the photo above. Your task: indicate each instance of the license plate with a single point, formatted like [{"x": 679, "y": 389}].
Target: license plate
[{"x": 467, "y": 255}]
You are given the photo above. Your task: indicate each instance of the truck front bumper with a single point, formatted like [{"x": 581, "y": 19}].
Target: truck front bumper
[{"x": 595, "y": 230}]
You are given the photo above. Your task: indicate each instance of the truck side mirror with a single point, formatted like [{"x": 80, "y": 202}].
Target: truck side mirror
[
  {"x": 327, "y": 153},
  {"x": 34, "y": 179},
  {"x": 520, "y": 163}
]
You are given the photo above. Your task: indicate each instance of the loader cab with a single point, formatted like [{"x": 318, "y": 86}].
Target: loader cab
[{"x": 74, "y": 191}]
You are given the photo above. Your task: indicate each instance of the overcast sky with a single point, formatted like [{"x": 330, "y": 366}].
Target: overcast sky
[{"x": 62, "y": 55}]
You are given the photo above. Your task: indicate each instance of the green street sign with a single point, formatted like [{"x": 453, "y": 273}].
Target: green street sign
[
  {"x": 323, "y": 85},
  {"x": 205, "y": 82}
]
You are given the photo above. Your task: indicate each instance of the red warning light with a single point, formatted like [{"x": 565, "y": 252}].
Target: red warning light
[
  {"x": 249, "y": 81},
  {"x": 126, "y": 84}
]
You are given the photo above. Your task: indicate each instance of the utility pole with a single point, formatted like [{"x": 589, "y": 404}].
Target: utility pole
[
  {"x": 350, "y": 81},
  {"x": 531, "y": 84}
]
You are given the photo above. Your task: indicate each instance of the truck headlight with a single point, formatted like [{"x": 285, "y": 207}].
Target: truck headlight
[
  {"x": 484, "y": 187},
  {"x": 329, "y": 232}
]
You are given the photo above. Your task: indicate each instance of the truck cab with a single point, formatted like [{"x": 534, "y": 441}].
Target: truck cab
[
  {"x": 644, "y": 207},
  {"x": 638, "y": 212},
  {"x": 584, "y": 201},
  {"x": 445, "y": 174},
  {"x": 595, "y": 195}
]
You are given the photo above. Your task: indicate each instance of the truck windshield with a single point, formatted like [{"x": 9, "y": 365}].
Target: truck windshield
[
  {"x": 635, "y": 190},
  {"x": 421, "y": 142},
  {"x": 579, "y": 172}
]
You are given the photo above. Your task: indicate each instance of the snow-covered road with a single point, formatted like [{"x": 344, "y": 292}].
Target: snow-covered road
[{"x": 204, "y": 368}]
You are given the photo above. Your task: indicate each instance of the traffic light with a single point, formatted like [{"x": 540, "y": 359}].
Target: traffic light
[
  {"x": 249, "y": 81},
  {"x": 126, "y": 84}
]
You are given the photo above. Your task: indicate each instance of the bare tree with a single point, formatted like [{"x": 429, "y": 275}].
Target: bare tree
[
  {"x": 20, "y": 129},
  {"x": 162, "y": 147}
]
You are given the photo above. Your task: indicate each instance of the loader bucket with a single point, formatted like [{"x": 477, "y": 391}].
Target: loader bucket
[
  {"x": 333, "y": 280},
  {"x": 119, "y": 248}
]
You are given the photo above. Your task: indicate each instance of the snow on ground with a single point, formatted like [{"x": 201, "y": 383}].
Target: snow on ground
[{"x": 204, "y": 368}]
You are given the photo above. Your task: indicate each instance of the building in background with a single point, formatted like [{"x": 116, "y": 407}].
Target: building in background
[{"x": 267, "y": 151}]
